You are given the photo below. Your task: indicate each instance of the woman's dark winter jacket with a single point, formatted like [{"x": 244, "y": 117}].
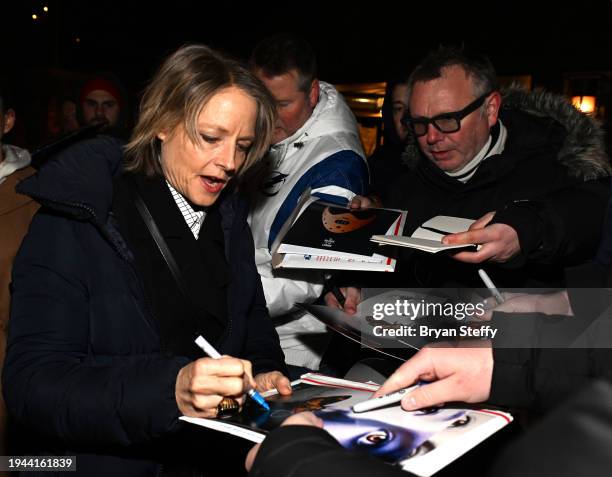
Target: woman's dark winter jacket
[
  {"x": 550, "y": 184},
  {"x": 99, "y": 329}
]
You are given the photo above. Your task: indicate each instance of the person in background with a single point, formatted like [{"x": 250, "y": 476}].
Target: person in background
[
  {"x": 101, "y": 359},
  {"x": 103, "y": 100},
  {"x": 386, "y": 161},
  {"x": 16, "y": 212},
  {"x": 316, "y": 145},
  {"x": 68, "y": 116},
  {"x": 62, "y": 117}
]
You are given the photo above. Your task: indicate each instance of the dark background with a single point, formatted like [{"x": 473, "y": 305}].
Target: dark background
[{"x": 354, "y": 41}]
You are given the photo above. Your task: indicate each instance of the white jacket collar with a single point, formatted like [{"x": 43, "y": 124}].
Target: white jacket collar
[
  {"x": 330, "y": 115},
  {"x": 15, "y": 158}
]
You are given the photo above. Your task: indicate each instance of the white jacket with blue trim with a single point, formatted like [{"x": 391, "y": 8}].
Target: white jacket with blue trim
[{"x": 325, "y": 155}]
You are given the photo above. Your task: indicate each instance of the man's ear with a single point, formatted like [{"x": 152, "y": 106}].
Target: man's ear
[
  {"x": 313, "y": 95},
  {"x": 9, "y": 121},
  {"x": 162, "y": 136},
  {"x": 492, "y": 109}
]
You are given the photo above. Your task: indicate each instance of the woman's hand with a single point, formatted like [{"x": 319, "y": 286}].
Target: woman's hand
[
  {"x": 273, "y": 380},
  {"x": 202, "y": 384}
]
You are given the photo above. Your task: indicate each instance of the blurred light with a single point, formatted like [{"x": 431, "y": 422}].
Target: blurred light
[
  {"x": 34, "y": 17},
  {"x": 77, "y": 40},
  {"x": 365, "y": 100},
  {"x": 585, "y": 104},
  {"x": 45, "y": 9}
]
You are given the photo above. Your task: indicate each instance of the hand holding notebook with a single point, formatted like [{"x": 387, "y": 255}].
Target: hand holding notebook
[{"x": 428, "y": 237}]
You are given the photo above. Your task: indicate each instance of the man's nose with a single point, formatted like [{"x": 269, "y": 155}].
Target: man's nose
[{"x": 433, "y": 135}]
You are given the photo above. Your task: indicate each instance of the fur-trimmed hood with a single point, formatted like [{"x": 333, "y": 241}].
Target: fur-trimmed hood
[{"x": 583, "y": 151}]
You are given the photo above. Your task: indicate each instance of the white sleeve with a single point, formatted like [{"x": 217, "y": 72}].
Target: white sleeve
[
  {"x": 335, "y": 191},
  {"x": 284, "y": 288}
]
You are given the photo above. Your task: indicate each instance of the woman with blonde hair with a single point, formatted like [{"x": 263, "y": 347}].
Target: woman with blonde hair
[{"x": 124, "y": 267}]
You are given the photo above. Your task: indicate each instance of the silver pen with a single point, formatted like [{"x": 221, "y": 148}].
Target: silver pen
[{"x": 491, "y": 286}]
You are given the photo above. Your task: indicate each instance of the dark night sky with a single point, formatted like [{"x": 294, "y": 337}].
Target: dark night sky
[
  {"x": 542, "y": 38},
  {"x": 130, "y": 37}
]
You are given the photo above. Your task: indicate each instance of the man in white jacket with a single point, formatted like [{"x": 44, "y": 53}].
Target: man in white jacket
[{"x": 316, "y": 146}]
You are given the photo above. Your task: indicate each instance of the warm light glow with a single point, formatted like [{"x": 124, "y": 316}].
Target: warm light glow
[
  {"x": 78, "y": 40},
  {"x": 45, "y": 9},
  {"x": 585, "y": 104},
  {"x": 34, "y": 17},
  {"x": 365, "y": 100}
]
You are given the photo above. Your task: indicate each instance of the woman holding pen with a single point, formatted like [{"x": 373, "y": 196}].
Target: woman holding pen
[{"x": 130, "y": 259}]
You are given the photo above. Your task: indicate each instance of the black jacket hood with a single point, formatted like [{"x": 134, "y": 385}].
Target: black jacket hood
[{"x": 78, "y": 182}]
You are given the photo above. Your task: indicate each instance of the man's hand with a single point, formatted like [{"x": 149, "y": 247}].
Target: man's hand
[
  {"x": 457, "y": 372},
  {"x": 300, "y": 419},
  {"x": 352, "y": 298},
  {"x": 548, "y": 304},
  {"x": 498, "y": 242},
  {"x": 365, "y": 202},
  {"x": 273, "y": 380},
  {"x": 202, "y": 384}
]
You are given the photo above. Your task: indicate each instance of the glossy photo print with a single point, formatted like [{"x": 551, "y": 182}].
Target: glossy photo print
[{"x": 390, "y": 434}]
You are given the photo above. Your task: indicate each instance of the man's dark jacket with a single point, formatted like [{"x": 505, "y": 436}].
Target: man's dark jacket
[
  {"x": 550, "y": 184},
  {"x": 98, "y": 327}
]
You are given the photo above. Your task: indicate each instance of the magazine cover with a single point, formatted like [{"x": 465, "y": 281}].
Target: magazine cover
[
  {"x": 322, "y": 235},
  {"x": 327, "y": 226},
  {"x": 421, "y": 441}
]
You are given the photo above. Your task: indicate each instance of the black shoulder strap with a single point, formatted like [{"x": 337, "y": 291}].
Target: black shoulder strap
[{"x": 143, "y": 210}]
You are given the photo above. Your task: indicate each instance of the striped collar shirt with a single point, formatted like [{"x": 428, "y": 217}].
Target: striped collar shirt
[{"x": 194, "y": 218}]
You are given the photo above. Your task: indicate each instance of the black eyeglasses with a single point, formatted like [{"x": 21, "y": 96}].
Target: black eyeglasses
[{"x": 446, "y": 122}]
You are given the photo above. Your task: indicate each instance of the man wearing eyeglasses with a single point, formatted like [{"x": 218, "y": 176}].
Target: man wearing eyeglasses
[
  {"x": 529, "y": 168},
  {"x": 445, "y": 144},
  {"x": 534, "y": 173}
]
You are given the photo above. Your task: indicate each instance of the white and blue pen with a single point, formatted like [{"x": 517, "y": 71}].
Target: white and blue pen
[{"x": 213, "y": 353}]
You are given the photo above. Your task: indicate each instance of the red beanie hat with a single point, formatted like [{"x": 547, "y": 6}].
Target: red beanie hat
[{"x": 104, "y": 85}]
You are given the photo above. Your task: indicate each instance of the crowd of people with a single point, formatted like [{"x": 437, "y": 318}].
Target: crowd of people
[{"x": 124, "y": 247}]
